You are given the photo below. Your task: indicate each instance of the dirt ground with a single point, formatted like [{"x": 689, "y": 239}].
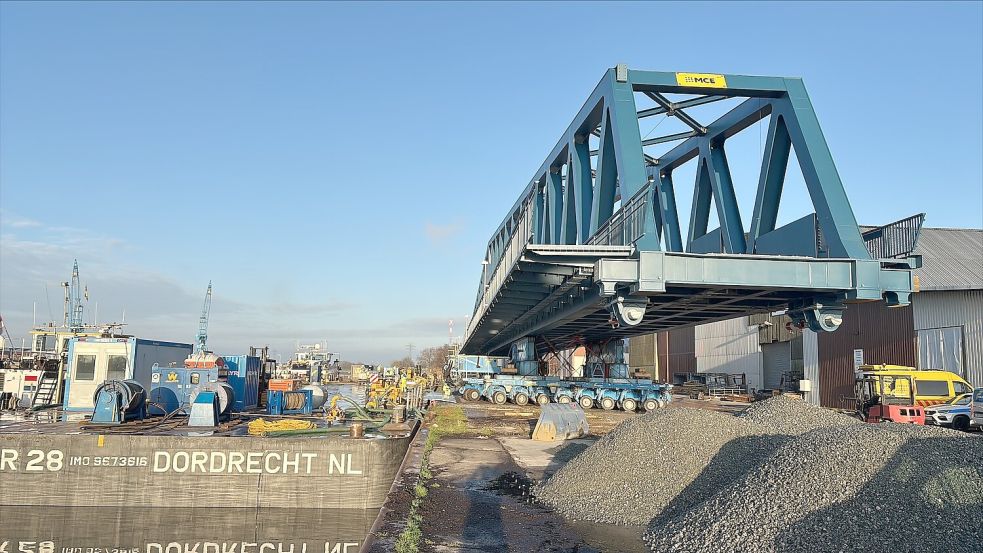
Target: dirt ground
[
  {"x": 487, "y": 419},
  {"x": 478, "y": 498}
]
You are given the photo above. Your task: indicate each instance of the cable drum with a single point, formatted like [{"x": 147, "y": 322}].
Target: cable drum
[
  {"x": 226, "y": 395},
  {"x": 293, "y": 401},
  {"x": 130, "y": 394}
]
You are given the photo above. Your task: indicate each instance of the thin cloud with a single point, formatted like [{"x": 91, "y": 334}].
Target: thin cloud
[
  {"x": 440, "y": 234},
  {"x": 13, "y": 221},
  {"x": 327, "y": 308},
  {"x": 159, "y": 306}
]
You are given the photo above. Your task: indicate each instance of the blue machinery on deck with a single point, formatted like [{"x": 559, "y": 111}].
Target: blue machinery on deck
[
  {"x": 295, "y": 402},
  {"x": 568, "y": 266},
  {"x": 119, "y": 401}
]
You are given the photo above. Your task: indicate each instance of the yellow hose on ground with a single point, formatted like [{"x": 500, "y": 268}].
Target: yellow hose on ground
[{"x": 260, "y": 427}]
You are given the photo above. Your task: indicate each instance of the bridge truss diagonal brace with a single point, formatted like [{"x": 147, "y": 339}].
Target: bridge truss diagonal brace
[{"x": 793, "y": 124}]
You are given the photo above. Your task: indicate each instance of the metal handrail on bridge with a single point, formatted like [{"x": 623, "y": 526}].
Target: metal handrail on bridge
[
  {"x": 513, "y": 251},
  {"x": 625, "y": 225},
  {"x": 896, "y": 239}
]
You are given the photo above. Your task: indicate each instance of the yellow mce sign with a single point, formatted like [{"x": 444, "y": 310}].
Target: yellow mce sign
[{"x": 702, "y": 80}]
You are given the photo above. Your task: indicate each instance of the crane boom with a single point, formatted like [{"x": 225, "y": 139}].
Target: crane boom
[
  {"x": 73, "y": 300},
  {"x": 202, "y": 337}
]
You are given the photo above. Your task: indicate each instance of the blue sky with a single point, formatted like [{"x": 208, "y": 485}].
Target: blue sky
[{"x": 336, "y": 169}]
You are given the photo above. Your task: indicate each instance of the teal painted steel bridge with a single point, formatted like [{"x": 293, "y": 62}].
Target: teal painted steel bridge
[{"x": 592, "y": 250}]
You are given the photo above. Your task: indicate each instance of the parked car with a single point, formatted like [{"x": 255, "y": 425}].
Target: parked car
[{"x": 956, "y": 413}]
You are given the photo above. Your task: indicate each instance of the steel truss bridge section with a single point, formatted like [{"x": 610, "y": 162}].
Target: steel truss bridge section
[{"x": 593, "y": 249}]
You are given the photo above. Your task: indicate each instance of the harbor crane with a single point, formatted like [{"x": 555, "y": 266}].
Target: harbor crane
[
  {"x": 73, "y": 301},
  {"x": 201, "y": 358},
  {"x": 202, "y": 338}
]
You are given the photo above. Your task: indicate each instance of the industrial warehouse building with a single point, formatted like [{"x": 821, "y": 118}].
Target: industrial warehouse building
[{"x": 941, "y": 329}]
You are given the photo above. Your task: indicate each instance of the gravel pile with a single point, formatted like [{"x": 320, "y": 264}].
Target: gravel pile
[
  {"x": 792, "y": 416},
  {"x": 668, "y": 460},
  {"x": 784, "y": 476},
  {"x": 859, "y": 487}
]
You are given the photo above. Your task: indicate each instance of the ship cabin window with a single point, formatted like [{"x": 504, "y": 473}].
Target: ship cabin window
[
  {"x": 64, "y": 344},
  {"x": 45, "y": 342},
  {"x": 116, "y": 368},
  {"x": 85, "y": 367}
]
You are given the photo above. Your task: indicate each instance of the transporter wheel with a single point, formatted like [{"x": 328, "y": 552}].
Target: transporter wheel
[
  {"x": 521, "y": 399},
  {"x": 499, "y": 397},
  {"x": 629, "y": 405},
  {"x": 650, "y": 405},
  {"x": 563, "y": 399},
  {"x": 607, "y": 403},
  {"x": 542, "y": 399},
  {"x": 663, "y": 403},
  {"x": 586, "y": 402},
  {"x": 471, "y": 394},
  {"x": 960, "y": 423}
]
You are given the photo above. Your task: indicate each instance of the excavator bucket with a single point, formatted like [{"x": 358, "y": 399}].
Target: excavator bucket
[{"x": 559, "y": 421}]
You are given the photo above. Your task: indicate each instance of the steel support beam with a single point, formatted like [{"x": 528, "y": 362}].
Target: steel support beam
[
  {"x": 728, "y": 213},
  {"x": 700, "y": 211},
  {"x": 554, "y": 195},
  {"x": 659, "y": 110},
  {"x": 607, "y": 176},
  {"x": 774, "y": 164},
  {"x": 673, "y": 111},
  {"x": 669, "y": 216}
]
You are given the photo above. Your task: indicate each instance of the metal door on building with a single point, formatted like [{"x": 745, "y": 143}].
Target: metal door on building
[
  {"x": 776, "y": 360},
  {"x": 941, "y": 348}
]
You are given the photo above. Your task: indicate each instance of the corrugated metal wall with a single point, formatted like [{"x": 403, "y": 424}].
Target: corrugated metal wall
[
  {"x": 643, "y": 354},
  {"x": 810, "y": 364},
  {"x": 887, "y": 335},
  {"x": 959, "y": 308},
  {"x": 676, "y": 352},
  {"x": 729, "y": 346}
]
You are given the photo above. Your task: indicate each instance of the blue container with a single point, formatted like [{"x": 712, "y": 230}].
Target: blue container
[
  {"x": 244, "y": 378},
  {"x": 173, "y": 387}
]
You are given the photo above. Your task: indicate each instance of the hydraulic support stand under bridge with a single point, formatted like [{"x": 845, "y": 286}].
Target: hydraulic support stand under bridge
[{"x": 592, "y": 249}]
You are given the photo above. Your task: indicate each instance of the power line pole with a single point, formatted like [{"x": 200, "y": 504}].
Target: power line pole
[{"x": 409, "y": 348}]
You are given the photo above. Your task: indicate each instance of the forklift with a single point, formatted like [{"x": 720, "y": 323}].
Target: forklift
[{"x": 887, "y": 398}]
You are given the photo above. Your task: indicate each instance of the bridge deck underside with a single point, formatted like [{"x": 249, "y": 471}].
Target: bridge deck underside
[
  {"x": 677, "y": 307},
  {"x": 564, "y": 300}
]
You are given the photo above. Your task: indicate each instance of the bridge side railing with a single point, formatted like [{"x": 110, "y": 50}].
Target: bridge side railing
[
  {"x": 513, "y": 251},
  {"x": 625, "y": 225},
  {"x": 896, "y": 239}
]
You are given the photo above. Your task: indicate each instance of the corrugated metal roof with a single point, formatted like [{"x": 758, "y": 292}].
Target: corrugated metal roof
[{"x": 952, "y": 259}]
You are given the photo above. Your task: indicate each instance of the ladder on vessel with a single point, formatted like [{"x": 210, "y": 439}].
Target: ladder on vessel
[{"x": 44, "y": 394}]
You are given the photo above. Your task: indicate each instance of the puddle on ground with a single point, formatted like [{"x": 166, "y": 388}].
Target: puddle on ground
[
  {"x": 611, "y": 538},
  {"x": 607, "y": 538},
  {"x": 515, "y": 485}
]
